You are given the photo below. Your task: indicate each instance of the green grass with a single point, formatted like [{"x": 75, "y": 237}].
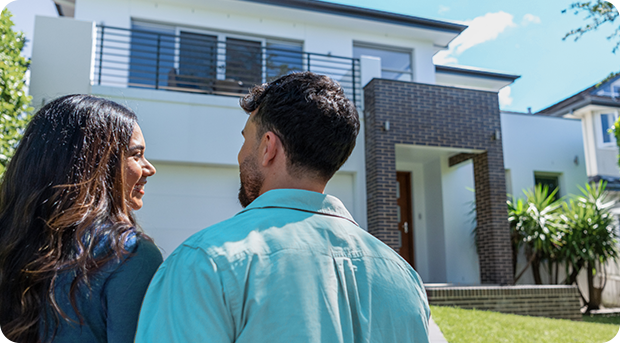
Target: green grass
[
  {"x": 465, "y": 326},
  {"x": 603, "y": 319}
]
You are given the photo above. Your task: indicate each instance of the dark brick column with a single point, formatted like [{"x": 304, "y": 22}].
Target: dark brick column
[
  {"x": 491, "y": 212},
  {"x": 380, "y": 178},
  {"x": 430, "y": 115}
]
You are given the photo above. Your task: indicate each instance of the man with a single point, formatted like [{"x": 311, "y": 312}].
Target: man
[{"x": 293, "y": 266}]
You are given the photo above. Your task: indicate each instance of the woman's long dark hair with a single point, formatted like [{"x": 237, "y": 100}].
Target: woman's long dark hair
[{"x": 61, "y": 195}]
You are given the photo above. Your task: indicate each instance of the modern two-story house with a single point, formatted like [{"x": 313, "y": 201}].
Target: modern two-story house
[{"x": 430, "y": 134}]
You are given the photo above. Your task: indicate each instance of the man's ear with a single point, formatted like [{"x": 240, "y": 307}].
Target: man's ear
[{"x": 270, "y": 147}]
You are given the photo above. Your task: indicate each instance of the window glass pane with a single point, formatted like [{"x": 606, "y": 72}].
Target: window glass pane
[
  {"x": 151, "y": 57},
  {"x": 197, "y": 61},
  {"x": 395, "y": 76},
  {"x": 244, "y": 61},
  {"x": 283, "y": 58},
  {"x": 605, "y": 126},
  {"x": 391, "y": 61}
]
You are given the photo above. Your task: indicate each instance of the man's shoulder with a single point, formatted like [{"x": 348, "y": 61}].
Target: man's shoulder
[{"x": 217, "y": 234}]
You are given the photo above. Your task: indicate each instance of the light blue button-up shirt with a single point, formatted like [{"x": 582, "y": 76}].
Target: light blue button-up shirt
[{"x": 291, "y": 267}]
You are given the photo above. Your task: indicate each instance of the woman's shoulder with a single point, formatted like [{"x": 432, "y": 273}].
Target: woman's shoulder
[{"x": 143, "y": 249}]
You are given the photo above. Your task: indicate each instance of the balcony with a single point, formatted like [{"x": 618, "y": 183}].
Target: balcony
[{"x": 198, "y": 63}]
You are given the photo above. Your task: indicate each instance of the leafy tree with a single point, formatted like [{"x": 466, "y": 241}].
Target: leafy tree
[
  {"x": 590, "y": 239},
  {"x": 599, "y": 13},
  {"x": 14, "y": 103}
]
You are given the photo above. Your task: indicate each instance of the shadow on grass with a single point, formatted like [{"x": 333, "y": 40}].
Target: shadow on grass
[{"x": 602, "y": 318}]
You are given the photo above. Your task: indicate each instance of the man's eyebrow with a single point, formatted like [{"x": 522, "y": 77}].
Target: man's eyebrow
[{"x": 136, "y": 147}]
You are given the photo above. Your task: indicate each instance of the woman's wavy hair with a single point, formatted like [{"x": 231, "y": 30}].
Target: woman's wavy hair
[{"x": 61, "y": 196}]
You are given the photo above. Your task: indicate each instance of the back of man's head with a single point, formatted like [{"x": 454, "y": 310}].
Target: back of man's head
[{"x": 311, "y": 115}]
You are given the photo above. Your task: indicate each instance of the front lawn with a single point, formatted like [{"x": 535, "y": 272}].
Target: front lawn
[
  {"x": 603, "y": 319},
  {"x": 465, "y": 326}
]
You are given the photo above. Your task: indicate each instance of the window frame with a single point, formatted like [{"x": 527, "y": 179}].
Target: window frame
[
  {"x": 558, "y": 178},
  {"x": 222, "y": 51},
  {"x": 598, "y": 126},
  {"x": 220, "y": 66},
  {"x": 407, "y": 50}
]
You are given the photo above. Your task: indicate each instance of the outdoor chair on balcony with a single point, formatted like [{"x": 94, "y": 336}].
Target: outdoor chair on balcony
[
  {"x": 199, "y": 84},
  {"x": 189, "y": 83}
]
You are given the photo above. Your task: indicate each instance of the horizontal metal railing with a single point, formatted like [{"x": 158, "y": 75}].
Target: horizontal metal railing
[{"x": 198, "y": 63}]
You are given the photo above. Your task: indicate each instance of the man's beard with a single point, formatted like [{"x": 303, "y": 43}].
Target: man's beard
[{"x": 251, "y": 181}]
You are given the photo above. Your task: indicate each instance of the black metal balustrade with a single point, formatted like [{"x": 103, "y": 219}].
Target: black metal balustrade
[{"x": 199, "y": 63}]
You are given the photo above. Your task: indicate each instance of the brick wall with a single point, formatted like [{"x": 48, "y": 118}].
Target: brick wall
[
  {"x": 439, "y": 116},
  {"x": 561, "y": 302}
]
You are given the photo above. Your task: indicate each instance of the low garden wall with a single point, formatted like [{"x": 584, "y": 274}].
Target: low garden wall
[{"x": 560, "y": 302}]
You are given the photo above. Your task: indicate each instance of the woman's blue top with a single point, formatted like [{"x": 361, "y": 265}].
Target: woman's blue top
[{"x": 110, "y": 305}]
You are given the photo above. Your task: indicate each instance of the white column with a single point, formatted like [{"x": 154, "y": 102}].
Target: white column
[
  {"x": 62, "y": 58},
  {"x": 370, "y": 68}
]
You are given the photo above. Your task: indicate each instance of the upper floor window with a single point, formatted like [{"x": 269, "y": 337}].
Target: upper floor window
[
  {"x": 171, "y": 57},
  {"x": 395, "y": 62},
  {"x": 606, "y": 121}
]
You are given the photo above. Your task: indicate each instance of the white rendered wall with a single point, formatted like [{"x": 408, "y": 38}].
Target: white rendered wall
[
  {"x": 61, "y": 58},
  {"x": 589, "y": 142},
  {"x": 543, "y": 144},
  {"x": 462, "y": 264},
  {"x": 435, "y": 222}
]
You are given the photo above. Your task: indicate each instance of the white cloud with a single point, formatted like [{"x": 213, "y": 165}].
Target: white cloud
[
  {"x": 504, "y": 97},
  {"x": 481, "y": 29},
  {"x": 443, "y": 9},
  {"x": 530, "y": 18}
]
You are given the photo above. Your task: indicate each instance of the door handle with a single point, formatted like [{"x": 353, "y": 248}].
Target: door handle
[{"x": 406, "y": 227}]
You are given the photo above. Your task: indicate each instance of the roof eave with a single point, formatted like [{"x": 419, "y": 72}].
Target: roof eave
[
  {"x": 476, "y": 73},
  {"x": 367, "y": 14}
]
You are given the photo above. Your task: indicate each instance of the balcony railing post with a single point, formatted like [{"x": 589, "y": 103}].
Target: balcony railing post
[
  {"x": 100, "y": 55},
  {"x": 157, "y": 62},
  {"x": 308, "y": 56},
  {"x": 353, "y": 80}
]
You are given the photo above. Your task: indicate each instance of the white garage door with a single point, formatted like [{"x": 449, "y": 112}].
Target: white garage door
[{"x": 181, "y": 200}]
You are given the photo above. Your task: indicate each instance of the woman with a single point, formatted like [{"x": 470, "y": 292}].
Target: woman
[{"x": 73, "y": 266}]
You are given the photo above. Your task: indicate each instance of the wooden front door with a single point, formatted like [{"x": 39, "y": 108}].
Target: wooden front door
[{"x": 405, "y": 219}]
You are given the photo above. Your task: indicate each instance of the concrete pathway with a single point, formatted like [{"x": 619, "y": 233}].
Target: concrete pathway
[{"x": 434, "y": 333}]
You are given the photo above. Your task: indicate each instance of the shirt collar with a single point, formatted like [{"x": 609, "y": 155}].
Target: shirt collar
[{"x": 302, "y": 200}]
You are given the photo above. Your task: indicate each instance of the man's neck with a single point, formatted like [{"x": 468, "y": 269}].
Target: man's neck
[{"x": 289, "y": 182}]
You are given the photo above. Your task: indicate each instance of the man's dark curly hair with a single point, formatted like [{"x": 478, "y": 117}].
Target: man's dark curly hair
[{"x": 313, "y": 118}]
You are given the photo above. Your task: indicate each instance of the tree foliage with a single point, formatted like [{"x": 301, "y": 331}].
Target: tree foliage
[
  {"x": 578, "y": 233},
  {"x": 14, "y": 103},
  {"x": 591, "y": 240},
  {"x": 534, "y": 226},
  {"x": 598, "y": 13}
]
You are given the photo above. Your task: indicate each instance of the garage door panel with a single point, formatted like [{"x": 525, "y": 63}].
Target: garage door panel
[{"x": 181, "y": 200}]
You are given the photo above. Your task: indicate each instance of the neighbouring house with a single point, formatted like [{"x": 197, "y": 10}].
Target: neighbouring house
[
  {"x": 597, "y": 108},
  {"x": 430, "y": 134}
]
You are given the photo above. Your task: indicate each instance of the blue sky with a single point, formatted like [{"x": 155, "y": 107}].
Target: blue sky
[{"x": 516, "y": 37}]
